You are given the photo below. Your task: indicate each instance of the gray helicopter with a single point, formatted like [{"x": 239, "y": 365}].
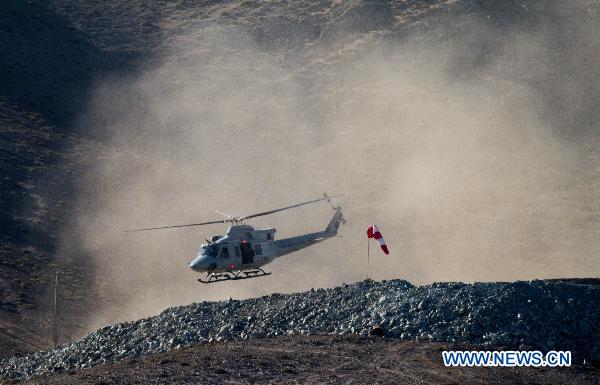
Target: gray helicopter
[{"x": 241, "y": 253}]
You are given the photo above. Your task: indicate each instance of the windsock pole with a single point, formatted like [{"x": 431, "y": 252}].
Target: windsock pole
[
  {"x": 373, "y": 232},
  {"x": 368, "y": 257}
]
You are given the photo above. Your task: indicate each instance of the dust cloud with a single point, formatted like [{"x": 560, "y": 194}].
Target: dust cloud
[{"x": 461, "y": 171}]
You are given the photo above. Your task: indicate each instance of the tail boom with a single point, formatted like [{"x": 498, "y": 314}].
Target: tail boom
[{"x": 289, "y": 245}]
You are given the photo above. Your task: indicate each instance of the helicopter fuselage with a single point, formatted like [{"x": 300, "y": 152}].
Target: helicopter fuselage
[{"x": 245, "y": 248}]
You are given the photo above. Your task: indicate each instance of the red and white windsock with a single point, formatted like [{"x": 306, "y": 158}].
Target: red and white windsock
[{"x": 373, "y": 232}]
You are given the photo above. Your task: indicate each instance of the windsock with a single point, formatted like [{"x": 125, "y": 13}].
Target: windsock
[{"x": 373, "y": 232}]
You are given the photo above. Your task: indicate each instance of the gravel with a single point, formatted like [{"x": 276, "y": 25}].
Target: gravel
[{"x": 534, "y": 315}]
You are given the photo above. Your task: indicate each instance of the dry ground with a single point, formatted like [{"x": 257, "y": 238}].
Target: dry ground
[{"x": 312, "y": 360}]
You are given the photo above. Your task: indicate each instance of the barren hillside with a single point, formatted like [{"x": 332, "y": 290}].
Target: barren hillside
[{"x": 480, "y": 116}]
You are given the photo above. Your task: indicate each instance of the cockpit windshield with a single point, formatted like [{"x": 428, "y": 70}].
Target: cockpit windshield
[{"x": 211, "y": 250}]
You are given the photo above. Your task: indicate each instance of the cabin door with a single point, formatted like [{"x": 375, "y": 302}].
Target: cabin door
[{"x": 247, "y": 253}]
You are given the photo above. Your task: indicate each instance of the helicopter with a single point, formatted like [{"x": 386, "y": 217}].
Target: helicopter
[{"x": 243, "y": 250}]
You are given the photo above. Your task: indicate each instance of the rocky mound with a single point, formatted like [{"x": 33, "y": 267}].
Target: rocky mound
[{"x": 525, "y": 315}]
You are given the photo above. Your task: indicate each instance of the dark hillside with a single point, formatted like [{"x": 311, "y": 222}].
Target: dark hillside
[{"x": 47, "y": 67}]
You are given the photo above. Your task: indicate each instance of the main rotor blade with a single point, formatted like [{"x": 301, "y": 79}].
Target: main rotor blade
[
  {"x": 239, "y": 218},
  {"x": 286, "y": 208},
  {"x": 170, "y": 227}
]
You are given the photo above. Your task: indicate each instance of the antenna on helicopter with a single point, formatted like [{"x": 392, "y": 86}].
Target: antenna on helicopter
[
  {"x": 334, "y": 207},
  {"x": 224, "y": 214},
  {"x": 328, "y": 198},
  {"x": 239, "y": 220}
]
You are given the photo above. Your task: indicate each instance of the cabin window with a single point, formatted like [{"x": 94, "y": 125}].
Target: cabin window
[
  {"x": 225, "y": 252},
  {"x": 268, "y": 236},
  {"x": 237, "y": 251},
  {"x": 258, "y": 249}
]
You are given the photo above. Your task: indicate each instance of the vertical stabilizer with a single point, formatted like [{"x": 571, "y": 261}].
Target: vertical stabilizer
[{"x": 333, "y": 226}]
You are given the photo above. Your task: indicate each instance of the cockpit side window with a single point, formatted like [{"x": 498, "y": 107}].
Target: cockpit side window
[
  {"x": 225, "y": 252},
  {"x": 211, "y": 250}
]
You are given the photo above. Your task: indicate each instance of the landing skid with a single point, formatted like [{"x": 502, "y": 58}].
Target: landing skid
[{"x": 233, "y": 275}]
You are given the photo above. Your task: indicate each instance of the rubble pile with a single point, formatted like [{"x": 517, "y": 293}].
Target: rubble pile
[{"x": 540, "y": 315}]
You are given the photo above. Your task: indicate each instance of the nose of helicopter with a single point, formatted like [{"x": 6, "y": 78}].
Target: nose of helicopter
[{"x": 203, "y": 263}]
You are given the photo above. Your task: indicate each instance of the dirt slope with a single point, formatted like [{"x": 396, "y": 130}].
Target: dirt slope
[{"x": 313, "y": 360}]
